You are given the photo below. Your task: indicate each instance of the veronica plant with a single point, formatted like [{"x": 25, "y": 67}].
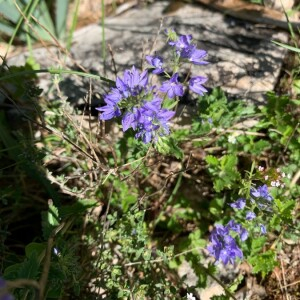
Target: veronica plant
[
  {"x": 256, "y": 213},
  {"x": 141, "y": 105}
]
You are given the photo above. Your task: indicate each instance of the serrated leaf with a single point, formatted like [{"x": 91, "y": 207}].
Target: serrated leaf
[
  {"x": 212, "y": 160},
  {"x": 168, "y": 146},
  {"x": 257, "y": 244},
  {"x": 263, "y": 263},
  {"x": 228, "y": 162}
]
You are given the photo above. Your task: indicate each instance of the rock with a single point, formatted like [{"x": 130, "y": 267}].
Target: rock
[{"x": 243, "y": 59}]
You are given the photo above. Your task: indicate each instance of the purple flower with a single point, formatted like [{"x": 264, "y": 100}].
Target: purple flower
[
  {"x": 262, "y": 197},
  {"x": 130, "y": 119},
  {"x": 223, "y": 246},
  {"x": 186, "y": 49},
  {"x": 172, "y": 87},
  {"x": 243, "y": 233},
  {"x": 133, "y": 82},
  {"x": 184, "y": 42},
  {"x": 4, "y": 295},
  {"x": 238, "y": 204},
  {"x": 261, "y": 192},
  {"x": 250, "y": 215},
  {"x": 156, "y": 62},
  {"x": 153, "y": 120},
  {"x": 196, "y": 56},
  {"x": 195, "y": 85},
  {"x": 109, "y": 111},
  {"x": 263, "y": 229}
]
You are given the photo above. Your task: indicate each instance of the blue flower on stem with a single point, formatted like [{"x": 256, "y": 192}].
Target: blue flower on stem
[
  {"x": 223, "y": 246},
  {"x": 172, "y": 87},
  {"x": 196, "y": 56},
  {"x": 250, "y": 215},
  {"x": 133, "y": 83},
  {"x": 183, "y": 43},
  {"x": 243, "y": 233},
  {"x": 238, "y": 204},
  {"x": 130, "y": 119},
  {"x": 195, "y": 85},
  {"x": 186, "y": 49},
  {"x": 153, "y": 120},
  {"x": 261, "y": 197},
  {"x": 261, "y": 192},
  {"x": 156, "y": 62},
  {"x": 263, "y": 229},
  {"x": 110, "y": 110}
]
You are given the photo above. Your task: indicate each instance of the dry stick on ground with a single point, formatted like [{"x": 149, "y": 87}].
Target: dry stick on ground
[
  {"x": 288, "y": 285},
  {"x": 47, "y": 262},
  {"x": 96, "y": 159},
  {"x": 55, "y": 132},
  {"x": 284, "y": 280}
]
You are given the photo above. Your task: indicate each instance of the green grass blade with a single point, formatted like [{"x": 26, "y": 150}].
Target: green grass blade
[
  {"x": 59, "y": 72},
  {"x": 73, "y": 26},
  {"x": 287, "y": 47}
]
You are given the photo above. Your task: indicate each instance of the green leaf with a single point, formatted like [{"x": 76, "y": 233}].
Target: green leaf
[
  {"x": 167, "y": 145},
  {"x": 263, "y": 263},
  {"x": 257, "y": 244},
  {"x": 228, "y": 162},
  {"x": 78, "y": 208},
  {"x": 50, "y": 220},
  {"x": 212, "y": 160},
  {"x": 30, "y": 267},
  {"x": 285, "y": 208},
  {"x": 53, "y": 217},
  {"x": 12, "y": 271},
  {"x": 37, "y": 248},
  {"x": 287, "y": 47}
]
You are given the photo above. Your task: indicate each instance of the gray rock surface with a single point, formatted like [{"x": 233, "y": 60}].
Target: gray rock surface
[{"x": 243, "y": 60}]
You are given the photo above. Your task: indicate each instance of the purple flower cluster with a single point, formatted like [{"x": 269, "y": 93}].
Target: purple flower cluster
[
  {"x": 144, "y": 116},
  {"x": 187, "y": 50},
  {"x": 261, "y": 198},
  {"x": 140, "y": 105},
  {"x": 240, "y": 204},
  {"x": 261, "y": 192},
  {"x": 150, "y": 120},
  {"x": 223, "y": 245}
]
